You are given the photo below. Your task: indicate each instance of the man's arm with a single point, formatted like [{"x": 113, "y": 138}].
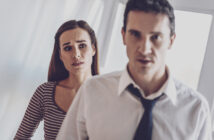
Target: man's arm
[{"x": 206, "y": 129}]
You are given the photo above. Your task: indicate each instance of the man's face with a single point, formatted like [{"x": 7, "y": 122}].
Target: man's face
[{"x": 147, "y": 39}]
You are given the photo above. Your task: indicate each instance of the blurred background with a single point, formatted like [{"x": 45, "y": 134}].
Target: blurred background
[{"x": 27, "y": 29}]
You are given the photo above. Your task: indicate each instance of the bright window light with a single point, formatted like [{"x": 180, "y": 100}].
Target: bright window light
[
  {"x": 185, "y": 59},
  {"x": 186, "y": 56}
]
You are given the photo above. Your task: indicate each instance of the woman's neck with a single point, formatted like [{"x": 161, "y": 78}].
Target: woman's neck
[{"x": 74, "y": 81}]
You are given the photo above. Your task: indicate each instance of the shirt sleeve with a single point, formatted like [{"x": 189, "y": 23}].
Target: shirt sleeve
[
  {"x": 32, "y": 117},
  {"x": 206, "y": 129},
  {"x": 73, "y": 126}
]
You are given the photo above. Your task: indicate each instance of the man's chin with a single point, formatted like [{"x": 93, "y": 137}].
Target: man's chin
[{"x": 144, "y": 69}]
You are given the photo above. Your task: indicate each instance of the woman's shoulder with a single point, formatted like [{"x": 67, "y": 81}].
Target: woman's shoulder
[
  {"x": 46, "y": 89},
  {"x": 47, "y": 85}
]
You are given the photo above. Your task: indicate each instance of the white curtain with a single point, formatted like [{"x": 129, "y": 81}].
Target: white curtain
[{"x": 27, "y": 29}]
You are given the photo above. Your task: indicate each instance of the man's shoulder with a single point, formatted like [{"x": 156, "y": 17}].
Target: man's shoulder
[
  {"x": 103, "y": 81},
  {"x": 107, "y": 77},
  {"x": 186, "y": 93},
  {"x": 184, "y": 89}
]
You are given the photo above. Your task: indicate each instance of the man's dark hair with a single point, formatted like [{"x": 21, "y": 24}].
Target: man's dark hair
[{"x": 153, "y": 6}]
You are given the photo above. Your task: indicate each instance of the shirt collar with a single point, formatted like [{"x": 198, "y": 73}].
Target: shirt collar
[
  {"x": 168, "y": 87},
  {"x": 124, "y": 81}
]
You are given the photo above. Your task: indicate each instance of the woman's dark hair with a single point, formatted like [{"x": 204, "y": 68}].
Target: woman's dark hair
[
  {"x": 57, "y": 71},
  {"x": 153, "y": 6}
]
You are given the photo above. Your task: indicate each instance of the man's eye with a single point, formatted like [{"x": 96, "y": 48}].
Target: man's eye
[
  {"x": 155, "y": 38},
  {"x": 82, "y": 45},
  {"x": 135, "y": 34},
  {"x": 67, "y": 48}
]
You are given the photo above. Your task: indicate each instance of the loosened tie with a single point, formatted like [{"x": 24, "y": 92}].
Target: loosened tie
[{"x": 144, "y": 129}]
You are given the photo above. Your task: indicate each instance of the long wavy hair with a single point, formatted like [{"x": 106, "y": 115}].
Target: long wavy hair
[{"x": 57, "y": 71}]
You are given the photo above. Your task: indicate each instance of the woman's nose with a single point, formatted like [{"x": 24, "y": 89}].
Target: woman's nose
[{"x": 76, "y": 53}]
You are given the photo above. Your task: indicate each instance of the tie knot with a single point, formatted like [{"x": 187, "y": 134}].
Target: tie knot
[{"x": 147, "y": 104}]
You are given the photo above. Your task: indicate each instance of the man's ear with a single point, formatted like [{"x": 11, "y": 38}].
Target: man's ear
[
  {"x": 123, "y": 32},
  {"x": 172, "y": 39}
]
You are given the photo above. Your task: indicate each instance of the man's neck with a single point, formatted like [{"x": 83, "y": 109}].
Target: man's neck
[{"x": 150, "y": 83}]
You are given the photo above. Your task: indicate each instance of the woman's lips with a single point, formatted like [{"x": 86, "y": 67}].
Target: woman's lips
[{"x": 77, "y": 63}]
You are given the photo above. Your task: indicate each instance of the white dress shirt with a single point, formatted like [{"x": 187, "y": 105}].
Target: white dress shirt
[{"x": 104, "y": 109}]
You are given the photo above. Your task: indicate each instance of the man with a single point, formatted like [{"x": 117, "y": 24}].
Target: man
[{"x": 143, "y": 102}]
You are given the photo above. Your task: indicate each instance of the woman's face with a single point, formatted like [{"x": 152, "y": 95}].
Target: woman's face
[{"x": 76, "y": 51}]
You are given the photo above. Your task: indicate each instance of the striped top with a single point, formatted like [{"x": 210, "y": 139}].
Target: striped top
[{"x": 42, "y": 106}]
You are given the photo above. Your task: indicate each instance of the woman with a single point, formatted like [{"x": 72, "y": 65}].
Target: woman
[{"x": 74, "y": 59}]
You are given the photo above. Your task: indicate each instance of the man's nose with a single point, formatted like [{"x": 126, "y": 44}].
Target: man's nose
[{"x": 145, "y": 46}]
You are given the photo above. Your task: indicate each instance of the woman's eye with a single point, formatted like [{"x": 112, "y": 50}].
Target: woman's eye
[
  {"x": 82, "y": 45},
  {"x": 67, "y": 48}
]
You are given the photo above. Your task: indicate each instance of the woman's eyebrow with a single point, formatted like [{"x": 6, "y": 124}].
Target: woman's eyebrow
[
  {"x": 80, "y": 41},
  {"x": 67, "y": 43}
]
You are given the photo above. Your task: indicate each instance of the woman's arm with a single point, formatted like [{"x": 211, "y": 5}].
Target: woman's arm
[{"x": 32, "y": 117}]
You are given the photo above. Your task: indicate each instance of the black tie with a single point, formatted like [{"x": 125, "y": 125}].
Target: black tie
[{"x": 144, "y": 130}]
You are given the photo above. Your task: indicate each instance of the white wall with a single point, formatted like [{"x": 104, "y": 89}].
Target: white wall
[
  {"x": 194, "y": 4},
  {"x": 206, "y": 82}
]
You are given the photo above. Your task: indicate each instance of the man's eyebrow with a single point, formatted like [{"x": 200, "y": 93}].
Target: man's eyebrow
[
  {"x": 154, "y": 32},
  {"x": 133, "y": 30}
]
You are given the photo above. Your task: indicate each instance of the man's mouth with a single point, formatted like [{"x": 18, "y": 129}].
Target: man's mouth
[{"x": 145, "y": 61}]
